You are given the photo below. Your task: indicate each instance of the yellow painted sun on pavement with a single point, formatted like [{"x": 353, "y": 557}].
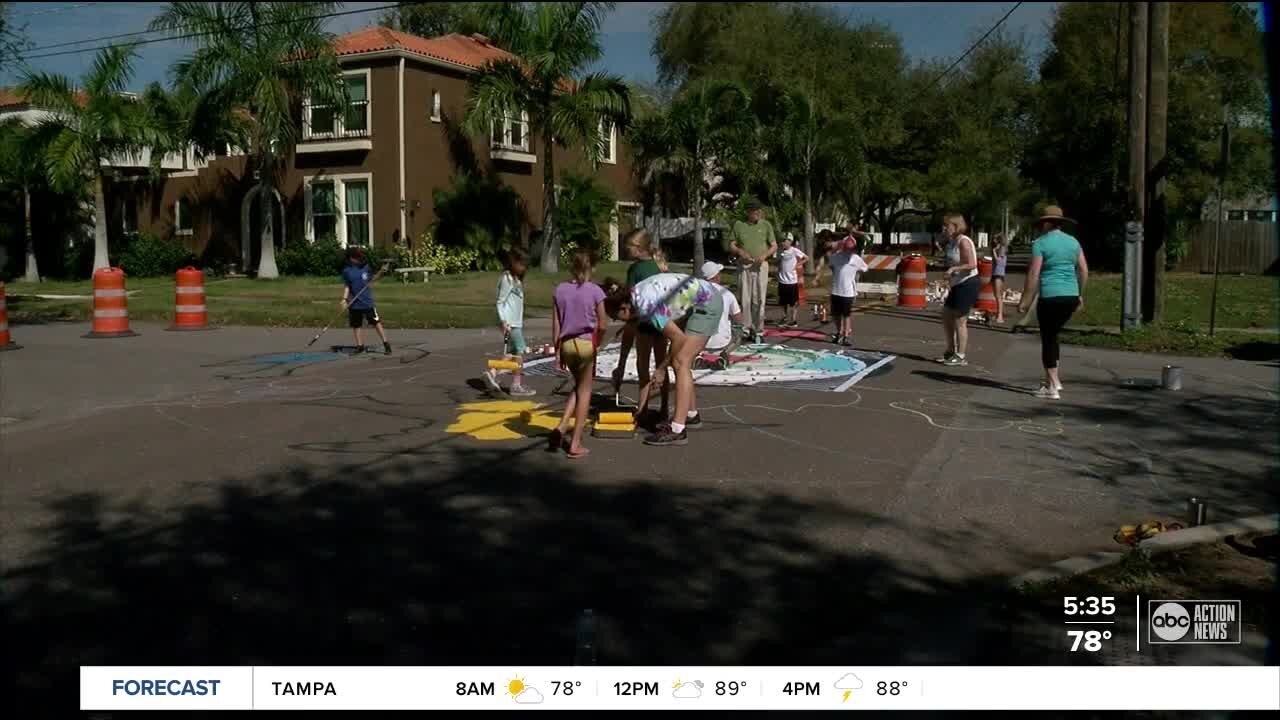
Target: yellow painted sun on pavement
[{"x": 502, "y": 420}]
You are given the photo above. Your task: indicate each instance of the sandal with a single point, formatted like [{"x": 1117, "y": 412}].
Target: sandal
[{"x": 578, "y": 455}]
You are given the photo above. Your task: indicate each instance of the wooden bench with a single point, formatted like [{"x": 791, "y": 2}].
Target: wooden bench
[{"x": 404, "y": 272}]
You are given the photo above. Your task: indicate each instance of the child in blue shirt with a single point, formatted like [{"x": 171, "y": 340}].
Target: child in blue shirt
[
  {"x": 357, "y": 298},
  {"x": 510, "y": 305}
]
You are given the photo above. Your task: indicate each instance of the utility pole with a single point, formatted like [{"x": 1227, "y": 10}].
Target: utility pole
[
  {"x": 1224, "y": 163},
  {"x": 1132, "y": 296},
  {"x": 1154, "y": 238}
]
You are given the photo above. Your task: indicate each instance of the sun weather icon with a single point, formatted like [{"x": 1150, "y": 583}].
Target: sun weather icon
[
  {"x": 687, "y": 690},
  {"x": 522, "y": 693}
]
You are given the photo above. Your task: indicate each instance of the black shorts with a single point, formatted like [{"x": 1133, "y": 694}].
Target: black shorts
[
  {"x": 357, "y": 316},
  {"x": 645, "y": 327},
  {"x": 788, "y": 294},
  {"x": 963, "y": 296},
  {"x": 841, "y": 306}
]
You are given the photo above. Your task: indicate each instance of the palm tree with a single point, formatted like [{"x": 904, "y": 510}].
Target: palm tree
[
  {"x": 808, "y": 143},
  {"x": 553, "y": 44},
  {"x": 254, "y": 59},
  {"x": 707, "y": 123},
  {"x": 22, "y": 166},
  {"x": 650, "y": 144},
  {"x": 90, "y": 127}
]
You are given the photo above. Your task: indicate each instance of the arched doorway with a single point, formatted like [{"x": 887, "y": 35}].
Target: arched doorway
[{"x": 251, "y": 227}]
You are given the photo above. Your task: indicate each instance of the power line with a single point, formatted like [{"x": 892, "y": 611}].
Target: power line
[
  {"x": 190, "y": 36},
  {"x": 93, "y": 40},
  {"x": 973, "y": 47}
]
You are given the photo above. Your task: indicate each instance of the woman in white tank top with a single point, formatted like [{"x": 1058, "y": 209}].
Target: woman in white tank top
[{"x": 962, "y": 276}]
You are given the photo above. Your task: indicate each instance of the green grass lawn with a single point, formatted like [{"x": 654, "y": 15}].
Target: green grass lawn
[
  {"x": 1244, "y": 301},
  {"x": 1248, "y": 322},
  {"x": 447, "y": 301}
]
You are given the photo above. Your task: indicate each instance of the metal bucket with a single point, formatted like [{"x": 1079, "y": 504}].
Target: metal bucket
[
  {"x": 1171, "y": 377},
  {"x": 1197, "y": 512}
]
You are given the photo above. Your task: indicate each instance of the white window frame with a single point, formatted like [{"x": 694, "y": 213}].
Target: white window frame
[
  {"x": 340, "y": 203},
  {"x": 435, "y": 106},
  {"x": 339, "y": 118},
  {"x": 505, "y": 144},
  {"x": 612, "y": 157},
  {"x": 178, "y": 216}
]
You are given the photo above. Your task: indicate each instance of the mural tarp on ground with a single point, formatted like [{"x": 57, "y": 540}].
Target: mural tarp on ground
[{"x": 764, "y": 365}]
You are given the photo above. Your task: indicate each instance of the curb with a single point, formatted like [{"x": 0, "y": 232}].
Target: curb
[
  {"x": 1164, "y": 542},
  {"x": 1178, "y": 539}
]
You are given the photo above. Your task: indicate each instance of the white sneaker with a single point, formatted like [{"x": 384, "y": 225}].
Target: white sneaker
[
  {"x": 491, "y": 380},
  {"x": 1048, "y": 393}
]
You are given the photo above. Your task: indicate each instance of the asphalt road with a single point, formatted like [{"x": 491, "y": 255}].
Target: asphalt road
[{"x": 234, "y": 497}]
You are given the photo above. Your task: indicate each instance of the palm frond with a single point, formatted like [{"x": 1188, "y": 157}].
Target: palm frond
[
  {"x": 50, "y": 91},
  {"x": 498, "y": 91},
  {"x": 68, "y": 160},
  {"x": 112, "y": 70}
]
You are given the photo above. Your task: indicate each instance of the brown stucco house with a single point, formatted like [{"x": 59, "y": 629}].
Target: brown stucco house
[{"x": 365, "y": 173}]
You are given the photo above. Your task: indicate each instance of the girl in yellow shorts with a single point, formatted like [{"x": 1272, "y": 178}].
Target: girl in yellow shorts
[{"x": 578, "y": 320}]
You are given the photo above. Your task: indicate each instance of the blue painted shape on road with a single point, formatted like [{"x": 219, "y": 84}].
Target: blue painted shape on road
[{"x": 285, "y": 358}]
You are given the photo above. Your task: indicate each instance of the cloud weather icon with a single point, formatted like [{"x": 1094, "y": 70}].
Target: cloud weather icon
[
  {"x": 688, "y": 690},
  {"x": 849, "y": 681},
  {"x": 530, "y": 696}
]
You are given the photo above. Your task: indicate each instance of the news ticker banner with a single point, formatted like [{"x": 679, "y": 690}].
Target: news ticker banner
[{"x": 680, "y": 688}]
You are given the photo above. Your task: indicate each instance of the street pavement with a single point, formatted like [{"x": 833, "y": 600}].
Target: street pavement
[{"x": 236, "y": 497}]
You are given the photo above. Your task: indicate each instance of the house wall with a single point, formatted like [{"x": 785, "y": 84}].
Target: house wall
[{"x": 435, "y": 154}]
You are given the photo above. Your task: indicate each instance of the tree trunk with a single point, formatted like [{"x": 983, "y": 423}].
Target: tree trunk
[
  {"x": 550, "y": 243},
  {"x": 699, "y": 252},
  {"x": 267, "y": 269},
  {"x": 100, "y": 259},
  {"x": 886, "y": 221},
  {"x": 32, "y": 273},
  {"x": 808, "y": 224}
]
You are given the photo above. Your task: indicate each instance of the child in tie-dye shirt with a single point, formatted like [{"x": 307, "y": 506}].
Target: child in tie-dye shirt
[{"x": 686, "y": 310}]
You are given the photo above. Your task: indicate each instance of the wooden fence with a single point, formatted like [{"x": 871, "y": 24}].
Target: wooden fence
[{"x": 1252, "y": 248}]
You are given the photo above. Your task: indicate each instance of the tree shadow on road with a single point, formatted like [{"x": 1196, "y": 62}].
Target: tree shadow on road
[
  {"x": 483, "y": 557},
  {"x": 970, "y": 380}
]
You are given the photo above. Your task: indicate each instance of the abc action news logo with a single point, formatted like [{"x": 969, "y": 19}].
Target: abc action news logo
[{"x": 1193, "y": 622}]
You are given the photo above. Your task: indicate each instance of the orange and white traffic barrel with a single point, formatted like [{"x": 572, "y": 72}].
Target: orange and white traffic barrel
[
  {"x": 913, "y": 279},
  {"x": 189, "y": 311},
  {"x": 6, "y": 342},
  {"x": 110, "y": 305},
  {"x": 986, "y": 291}
]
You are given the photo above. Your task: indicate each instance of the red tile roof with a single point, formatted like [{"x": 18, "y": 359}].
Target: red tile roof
[
  {"x": 472, "y": 51},
  {"x": 9, "y": 97}
]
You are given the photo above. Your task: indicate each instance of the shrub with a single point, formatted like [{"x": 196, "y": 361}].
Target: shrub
[
  {"x": 583, "y": 213},
  {"x": 322, "y": 258},
  {"x": 480, "y": 214},
  {"x": 147, "y": 255},
  {"x": 445, "y": 260}
]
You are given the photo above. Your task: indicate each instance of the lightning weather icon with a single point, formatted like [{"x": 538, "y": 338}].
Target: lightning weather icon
[{"x": 848, "y": 683}]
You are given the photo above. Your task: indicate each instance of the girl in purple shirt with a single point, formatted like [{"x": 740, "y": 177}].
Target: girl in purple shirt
[{"x": 576, "y": 323}]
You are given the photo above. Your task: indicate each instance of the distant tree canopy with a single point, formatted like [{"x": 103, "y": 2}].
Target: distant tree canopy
[
  {"x": 13, "y": 38},
  {"x": 1077, "y": 152},
  {"x": 910, "y": 140},
  {"x": 442, "y": 18}
]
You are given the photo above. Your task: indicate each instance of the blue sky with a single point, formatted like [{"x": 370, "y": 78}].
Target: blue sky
[{"x": 928, "y": 30}]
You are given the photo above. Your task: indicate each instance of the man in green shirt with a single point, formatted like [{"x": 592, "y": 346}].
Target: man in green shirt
[{"x": 751, "y": 244}]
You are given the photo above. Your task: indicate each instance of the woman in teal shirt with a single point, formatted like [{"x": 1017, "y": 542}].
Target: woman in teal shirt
[{"x": 1058, "y": 273}]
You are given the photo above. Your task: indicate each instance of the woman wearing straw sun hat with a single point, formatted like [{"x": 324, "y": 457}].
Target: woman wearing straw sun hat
[{"x": 1058, "y": 274}]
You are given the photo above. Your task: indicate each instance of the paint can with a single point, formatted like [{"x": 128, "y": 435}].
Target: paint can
[
  {"x": 1171, "y": 377},
  {"x": 1197, "y": 512}
]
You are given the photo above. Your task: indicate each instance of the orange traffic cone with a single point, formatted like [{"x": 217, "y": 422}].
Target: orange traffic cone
[{"x": 6, "y": 343}]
